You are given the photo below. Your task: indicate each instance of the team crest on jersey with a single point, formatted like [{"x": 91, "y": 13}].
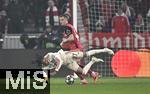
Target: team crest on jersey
[{"x": 68, "y": 31}]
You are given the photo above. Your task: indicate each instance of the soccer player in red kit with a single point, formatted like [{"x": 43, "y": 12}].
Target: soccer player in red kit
[
  {"x": 71, "y": 42},
  {"x": 120, "y": 22}
]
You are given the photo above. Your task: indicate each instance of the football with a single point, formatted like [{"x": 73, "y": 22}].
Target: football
[{"x": 69, "y": 79}]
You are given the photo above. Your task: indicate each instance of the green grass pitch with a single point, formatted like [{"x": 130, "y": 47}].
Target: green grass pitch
[{"x": 103, "y": 86}]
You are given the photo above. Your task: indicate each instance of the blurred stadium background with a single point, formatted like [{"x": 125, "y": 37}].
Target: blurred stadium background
[
  {"x": 23, "y": 25},
  {"x": 29, "y": 29}
]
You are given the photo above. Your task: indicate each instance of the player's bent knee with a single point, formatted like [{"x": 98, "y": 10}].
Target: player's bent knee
[{"x": 80, "y": 70}]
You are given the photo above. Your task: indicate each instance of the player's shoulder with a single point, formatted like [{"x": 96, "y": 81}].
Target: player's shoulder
[
  {"x": 69, "y": 25},
  {"x": 69, "y": 29}
]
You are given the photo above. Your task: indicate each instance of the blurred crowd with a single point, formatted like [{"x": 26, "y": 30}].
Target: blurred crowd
[
  {"x": 42, "y": 16},
  {"x": 17, "y": 16},
  {"x": 107, "y": 15},
  {"x": 33, "y": 16}
]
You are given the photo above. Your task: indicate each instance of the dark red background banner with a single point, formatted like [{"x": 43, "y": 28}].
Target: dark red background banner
[{"x": 118, "y": 40}]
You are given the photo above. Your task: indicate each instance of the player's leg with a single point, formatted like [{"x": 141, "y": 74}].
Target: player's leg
[
  {"x": 93, "y": 74},
  {"x": 82, "y": 78},
  {"x": 73, "y": 65},
  {"x": 96, "y": 51},
  {"x": 80, "y": 75},
  {"x": 88, "y": 66}
]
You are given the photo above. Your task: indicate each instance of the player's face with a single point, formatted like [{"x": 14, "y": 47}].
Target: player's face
[
  {"x": 50, "y": 3},
  {"x": 120, "y": 12},
  {"x": 63, "y": 21},
  {"x": 48, "y": 29}
]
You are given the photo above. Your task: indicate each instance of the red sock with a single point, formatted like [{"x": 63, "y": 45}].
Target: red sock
[
  {"x": 89, "y": 72},
  {"x": 80, "y": 75}
]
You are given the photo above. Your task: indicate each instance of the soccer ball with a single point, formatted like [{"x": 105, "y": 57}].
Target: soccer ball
[{"x": 69, "y": 79}]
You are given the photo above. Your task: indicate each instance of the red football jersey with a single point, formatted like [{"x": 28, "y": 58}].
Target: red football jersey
[
  {"x": 120, "y": 24},
  {"x": 76, "y": 44}
]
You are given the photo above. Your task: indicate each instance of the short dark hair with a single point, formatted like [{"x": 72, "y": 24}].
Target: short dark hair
[{"x": 67, "y": 16}]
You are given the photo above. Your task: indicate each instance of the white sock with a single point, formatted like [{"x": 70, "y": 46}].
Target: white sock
[
  {"x": 92, "y": 52},
  {"x": 87, "y": 67}
]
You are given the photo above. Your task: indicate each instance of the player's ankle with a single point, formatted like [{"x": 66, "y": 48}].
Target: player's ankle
[
  {"x": 84, "y": 81},
  {"x": 93, "y": 74}
]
